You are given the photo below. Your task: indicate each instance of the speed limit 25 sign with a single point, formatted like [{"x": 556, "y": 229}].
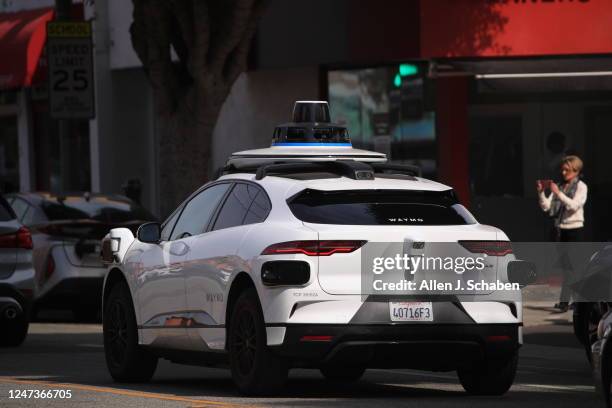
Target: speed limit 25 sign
[{"x": 69, "y": 54}]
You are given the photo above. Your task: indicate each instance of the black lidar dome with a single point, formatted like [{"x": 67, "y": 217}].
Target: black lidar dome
[
  {"x": 311, "y": 111},
  {"x": 311, "y": 125}
]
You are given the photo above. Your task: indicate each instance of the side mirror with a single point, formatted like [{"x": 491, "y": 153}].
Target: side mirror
[
  {"x": 522, "y": 272},
  {"x": 149, "y": 232}
]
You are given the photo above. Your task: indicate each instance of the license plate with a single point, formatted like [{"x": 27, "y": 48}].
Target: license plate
[{"x": 411, "y": 311}]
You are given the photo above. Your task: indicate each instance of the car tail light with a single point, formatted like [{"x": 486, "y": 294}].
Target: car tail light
[
  {"x": 20, "y": 239},
  {"x": 498, "y": 338},
  {"x": 492, "y": 248},
  {"x": 24, "y": 238},
  {"x": 314, "y": 248},
  {"x": 317, "y": 338}
]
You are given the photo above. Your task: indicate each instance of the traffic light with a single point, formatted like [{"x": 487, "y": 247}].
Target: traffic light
[
  {"x": 404, "y": 70},
  {"x": 408, "y": 69}
]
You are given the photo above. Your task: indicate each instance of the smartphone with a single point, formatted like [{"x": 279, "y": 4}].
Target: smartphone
[{"x": 545, "y": 183}]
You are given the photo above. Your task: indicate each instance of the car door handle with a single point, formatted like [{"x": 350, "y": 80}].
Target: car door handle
[{"x": 179, "y": 248}]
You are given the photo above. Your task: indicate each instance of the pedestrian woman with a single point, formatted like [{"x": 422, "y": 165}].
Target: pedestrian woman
[{"x": 565, "y": 204}]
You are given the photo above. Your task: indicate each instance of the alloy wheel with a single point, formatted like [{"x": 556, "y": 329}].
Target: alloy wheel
[
  {"x": 245, "y": 342},
  {"x": 117, "y": 332}
]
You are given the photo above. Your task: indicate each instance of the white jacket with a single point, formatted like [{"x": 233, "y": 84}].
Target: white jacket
[{"x": 573, "y": 216}]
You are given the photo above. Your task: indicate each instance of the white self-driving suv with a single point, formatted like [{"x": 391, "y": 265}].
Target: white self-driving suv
[{"x": 261, "y": 270}]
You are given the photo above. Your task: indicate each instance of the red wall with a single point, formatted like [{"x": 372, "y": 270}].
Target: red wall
[
  {"x": 452, "y": 135},
  {"x": 465, "y": 28}
]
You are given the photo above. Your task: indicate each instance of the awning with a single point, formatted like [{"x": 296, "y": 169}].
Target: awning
[
  {"x": 22, "y": 41},
  {"x": 534, "y": 75}
]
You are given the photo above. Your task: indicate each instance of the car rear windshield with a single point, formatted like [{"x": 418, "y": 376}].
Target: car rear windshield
[
  {"x": 103, "y": 209},
  {"x": 6, "y": 212},
  {"x": 380, "y": 207}
]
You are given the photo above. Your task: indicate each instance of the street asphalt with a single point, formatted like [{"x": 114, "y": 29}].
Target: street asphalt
[{"x": 553, "y": 372}]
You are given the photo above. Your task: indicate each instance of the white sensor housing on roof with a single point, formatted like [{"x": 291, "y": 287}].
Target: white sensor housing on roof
[{"x": 310, "y": 137}]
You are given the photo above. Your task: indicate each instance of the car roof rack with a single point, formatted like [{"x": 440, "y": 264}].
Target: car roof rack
[
  {"x": 348, "y": 168},
  {"x": 407, "y": 169}
]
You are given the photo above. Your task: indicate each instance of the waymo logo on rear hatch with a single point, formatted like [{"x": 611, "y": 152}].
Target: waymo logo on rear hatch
[{"x": 405, "y": 219}]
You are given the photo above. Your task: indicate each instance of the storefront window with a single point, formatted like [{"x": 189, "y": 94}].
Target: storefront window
[
  {"x": 496, "y": 156},
  {"x": 384, "y": 110},
  {"x": 62, "y": 162}
]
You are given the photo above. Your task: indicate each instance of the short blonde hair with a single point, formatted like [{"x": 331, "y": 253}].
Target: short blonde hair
[{"x": 574, "y": 162}]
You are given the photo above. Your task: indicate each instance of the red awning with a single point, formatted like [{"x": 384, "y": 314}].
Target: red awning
[{"x": 22, "y": 41}]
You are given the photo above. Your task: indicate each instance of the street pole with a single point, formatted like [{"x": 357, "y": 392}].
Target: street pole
[
  {"x": 62, "y": 13},
  {"x": 62, "y": 10}
]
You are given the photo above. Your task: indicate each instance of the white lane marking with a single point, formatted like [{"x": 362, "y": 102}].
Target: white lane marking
[
  {"x": 575, "y": 388},
  {"x": 448, "y": 377},
  {"x": 569, "y": 370},
  {"x": 572, "y": 388}
]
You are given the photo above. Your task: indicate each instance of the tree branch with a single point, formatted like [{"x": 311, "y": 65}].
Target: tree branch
[
  {"x": 201, "y": 33},
  {"x": 182, "y": 30},
  {"x": 231, "y": 33},
  {"x": 237, "y": 60},
  {"x": 150, "y": 34}
]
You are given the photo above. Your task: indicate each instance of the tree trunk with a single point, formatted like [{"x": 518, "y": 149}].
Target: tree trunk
[
  {"x": 212, "y": 41},
  {"x": 185, "y": 149}
]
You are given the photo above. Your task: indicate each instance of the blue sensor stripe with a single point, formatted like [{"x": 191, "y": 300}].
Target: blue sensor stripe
[{"x": 311, "y": 144}]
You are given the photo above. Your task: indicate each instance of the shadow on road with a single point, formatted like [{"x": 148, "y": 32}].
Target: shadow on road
[{"x": 76, "y": 357}]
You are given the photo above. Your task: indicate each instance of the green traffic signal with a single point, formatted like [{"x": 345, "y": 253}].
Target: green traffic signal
[
  {"x": 404, "y": 71},
  {"x": 397, "y": 81},
  {"x": 408, "y": 69}
]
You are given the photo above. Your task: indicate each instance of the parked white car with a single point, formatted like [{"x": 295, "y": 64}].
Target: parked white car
[
  {"x": 66, "y": 231},
  {"x": 16, "y": 277}
]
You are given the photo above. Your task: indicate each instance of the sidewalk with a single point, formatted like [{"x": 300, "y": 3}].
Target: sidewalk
[{"x": 542, "y": 323}]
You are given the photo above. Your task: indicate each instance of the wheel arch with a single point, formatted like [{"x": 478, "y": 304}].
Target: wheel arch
[
  {"x": 113, "y": 277},
  {"x": 605, "y": 371},
  {"x": 241, "y": 282}
]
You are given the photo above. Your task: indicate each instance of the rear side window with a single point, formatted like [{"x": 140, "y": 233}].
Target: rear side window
[
  {"x": 380, "y": 207},
  {"x": 246, "y": 204},
  {"x": 20, "y": 207},
  {"x": 259, "y": 209},
  {"x": 6, "y": 212}
]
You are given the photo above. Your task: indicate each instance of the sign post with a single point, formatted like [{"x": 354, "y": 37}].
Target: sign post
[{"x": 70, "y": 60}]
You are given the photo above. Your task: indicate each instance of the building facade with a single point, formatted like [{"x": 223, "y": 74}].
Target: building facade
[{"x": 484, "y": 95}]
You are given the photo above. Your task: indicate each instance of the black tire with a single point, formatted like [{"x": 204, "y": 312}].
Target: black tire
[
  {"x": 342, "y": 373},
  {"x": 255, "y": 370},
  {"x": 585, "y": 320},
  {"x": 125, "y": 359},
  {"x": 606, "y": 377},
  {"x": 13, "y": 331},
  {"x": 491, "y": 377}
]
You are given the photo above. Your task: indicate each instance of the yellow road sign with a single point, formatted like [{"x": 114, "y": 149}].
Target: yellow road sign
[{"x": 68, "y": 29}]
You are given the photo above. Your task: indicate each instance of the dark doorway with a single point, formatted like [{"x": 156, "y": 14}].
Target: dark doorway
[{"x": 598, "y": 173}]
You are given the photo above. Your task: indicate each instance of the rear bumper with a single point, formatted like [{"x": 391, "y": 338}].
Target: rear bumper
[
  {"x": 73, "y": 292},
  {"x": 419, "y": 346}
]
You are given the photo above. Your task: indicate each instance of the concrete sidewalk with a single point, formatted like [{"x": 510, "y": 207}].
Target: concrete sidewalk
[{"x": 542, "y": 323}]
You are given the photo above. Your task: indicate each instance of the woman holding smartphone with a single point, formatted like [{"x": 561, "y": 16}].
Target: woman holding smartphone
[{"x": 565, "y": 204}]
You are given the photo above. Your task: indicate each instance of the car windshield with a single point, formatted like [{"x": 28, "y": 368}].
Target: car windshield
[
  {"x": 99, "y": 208},
  {"x": 380, "y": 207}
]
